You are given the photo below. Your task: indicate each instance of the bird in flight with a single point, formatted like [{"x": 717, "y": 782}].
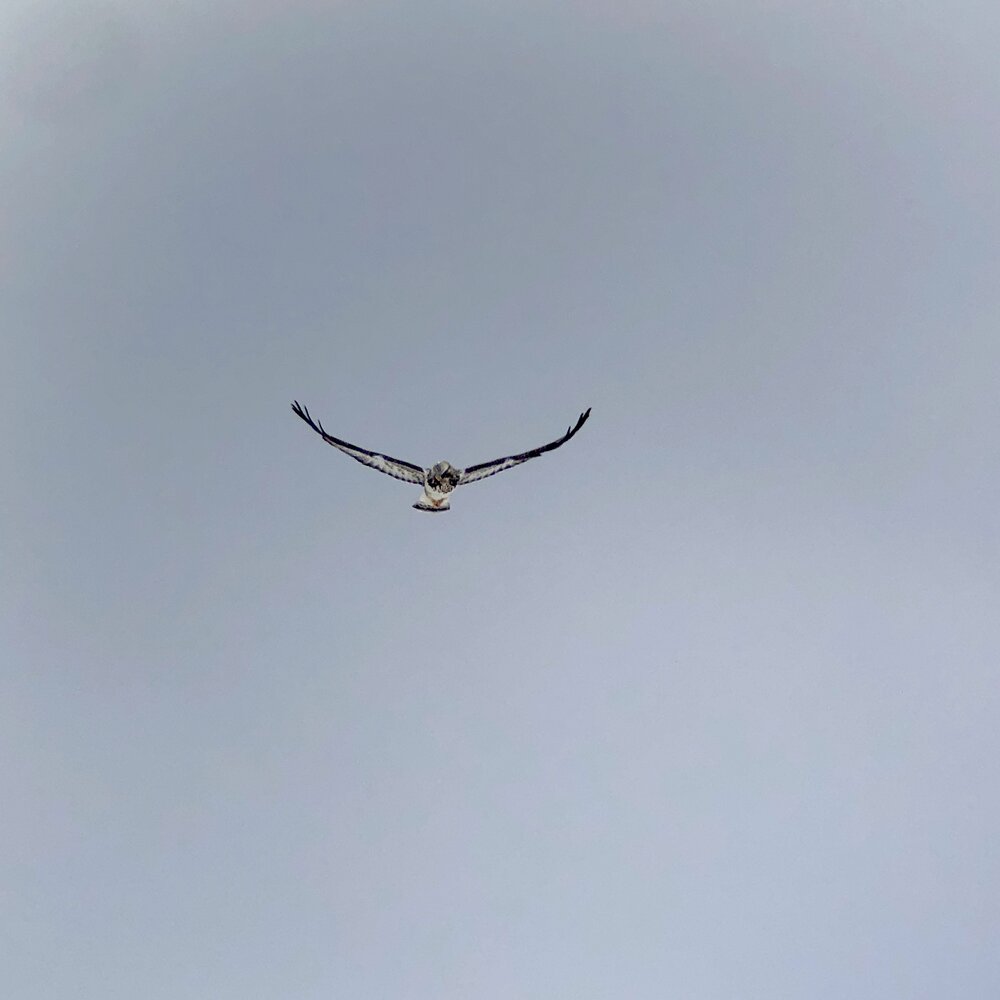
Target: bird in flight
[{"x": 439, "y": 481}]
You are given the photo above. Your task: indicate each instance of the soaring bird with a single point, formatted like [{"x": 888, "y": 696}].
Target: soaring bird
[{"x": 440, "y": 480}]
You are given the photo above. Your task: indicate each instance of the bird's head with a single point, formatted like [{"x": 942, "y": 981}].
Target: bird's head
[{"x": 445, "y": 475}]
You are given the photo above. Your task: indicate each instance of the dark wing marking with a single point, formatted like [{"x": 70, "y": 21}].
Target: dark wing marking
[
  {"x": 476, "y": 472},
  {"x": 390, "y": 466}
]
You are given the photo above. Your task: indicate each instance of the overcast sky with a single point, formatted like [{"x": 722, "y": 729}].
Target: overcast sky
[{"x": 703, "y": 705}]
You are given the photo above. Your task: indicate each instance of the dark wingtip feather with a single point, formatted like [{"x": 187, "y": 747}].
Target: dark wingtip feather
[
  {"x": 302, "y": 412},
  {"x": 570, "y": 431}
]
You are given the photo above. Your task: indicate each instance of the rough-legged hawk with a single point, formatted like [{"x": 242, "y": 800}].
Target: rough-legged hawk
[{"x": 439, "y": 480}]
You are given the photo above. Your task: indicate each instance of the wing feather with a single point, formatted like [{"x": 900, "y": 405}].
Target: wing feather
[
  {"x": 394, "y": 467},
  {"x": 476, "y": 472}
]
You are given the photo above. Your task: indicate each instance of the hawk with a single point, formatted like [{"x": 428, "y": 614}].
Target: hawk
[{"x": 439, "y": 481}]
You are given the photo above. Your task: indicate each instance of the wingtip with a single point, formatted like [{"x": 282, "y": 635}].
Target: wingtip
[{"x": 302, "y": 412}]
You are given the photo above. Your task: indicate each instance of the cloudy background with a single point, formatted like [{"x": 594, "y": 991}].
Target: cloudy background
[{"x": 703, "y": 705}]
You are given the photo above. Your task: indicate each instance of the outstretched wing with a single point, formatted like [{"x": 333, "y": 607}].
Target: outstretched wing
[
  {"x": 476, "y": 472},
  {"x": 390, "y": 466}
]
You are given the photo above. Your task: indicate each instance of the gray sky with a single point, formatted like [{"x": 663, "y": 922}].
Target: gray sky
[{"x": 703, "y": 705}]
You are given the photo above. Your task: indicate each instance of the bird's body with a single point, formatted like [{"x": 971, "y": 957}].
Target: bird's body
[
  {"x": 439, "y": 483},
  {"x": 440, "y": 480}
]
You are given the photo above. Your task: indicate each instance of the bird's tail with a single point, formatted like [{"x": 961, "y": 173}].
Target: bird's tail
[{"x": 422, "y": 504}]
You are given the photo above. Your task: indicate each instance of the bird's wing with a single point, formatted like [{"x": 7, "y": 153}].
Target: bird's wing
[
  {"x": 476, "y": 472},
  {"x": 390, "y": 466}
]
